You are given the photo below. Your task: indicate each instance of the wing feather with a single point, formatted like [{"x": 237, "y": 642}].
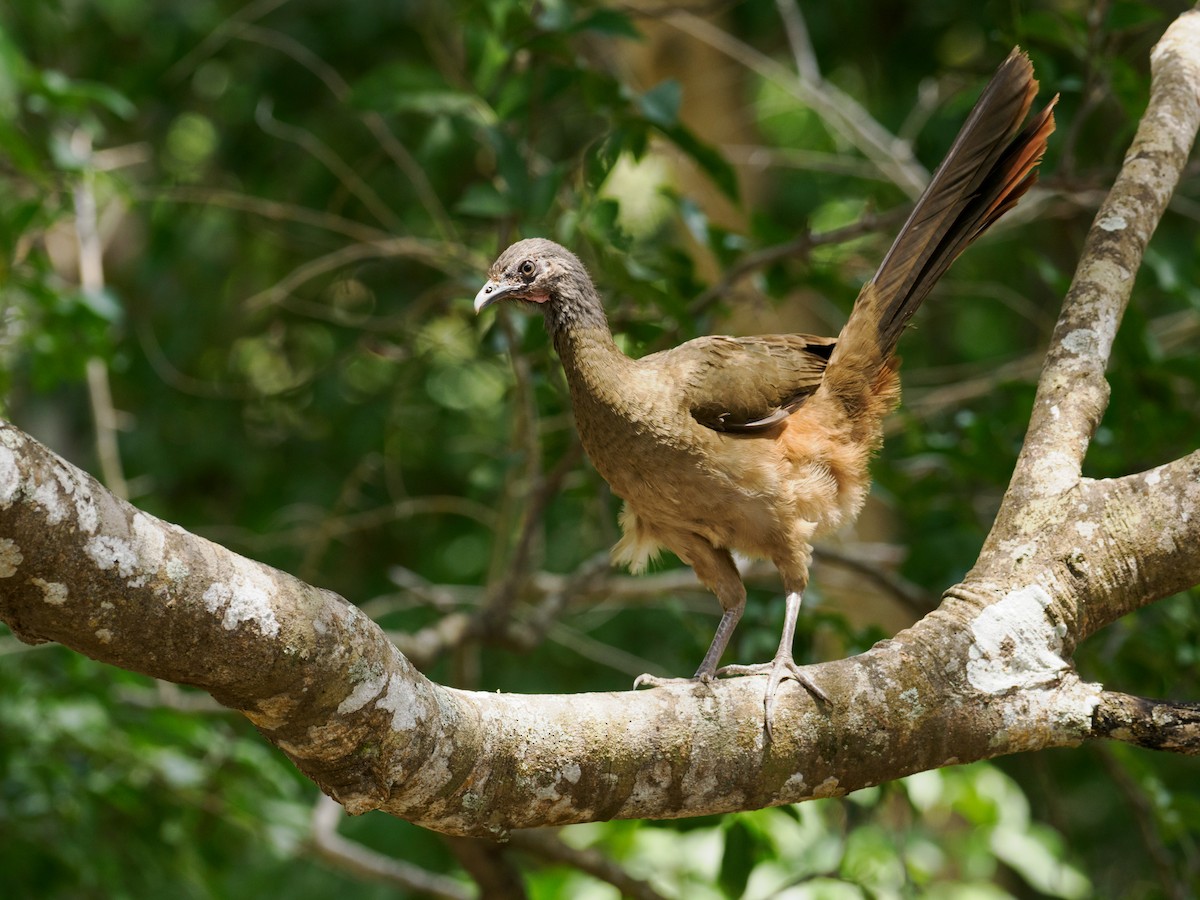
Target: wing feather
[{"x": 748, "y": 384}]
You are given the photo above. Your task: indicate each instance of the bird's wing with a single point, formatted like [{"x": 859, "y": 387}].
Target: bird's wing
[{"x": 746, "y": 384}]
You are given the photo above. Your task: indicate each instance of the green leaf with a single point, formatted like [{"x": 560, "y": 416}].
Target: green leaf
[
  {"x": 494, "y": 57},
  {"x": 13, "y": 72},
  {"x": 16, "y": 148},
  {"x": 1124, "y": 15},
  {"x": 1052, "y": 28},
  {"x": 609, "y": 22},
  {"x": 710, "y": 161},
  {"x": 482, "y": 199},
  {"x": 542, "y": 194},
  {"x": 601, "y": 157},
  {"x": 554, "y": 15},
  {"x": 737, "y": 862},
  {"x": 404, "y": 88},
  {"x": 603, "y": 217},
  {"x": 660, "y": 104},
  {"x": 68, "y": 95},
  {"x": 103, "y": 303},
  {"x": 511, "y": 163}
]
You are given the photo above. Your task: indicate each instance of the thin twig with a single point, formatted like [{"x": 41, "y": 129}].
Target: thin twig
[
  {"x": 375, "y": 123},
  {"x": 758, "y": 156},
  {"x": 797, "y": 33},
  {"x": 216, "y": 38},
  {"x": 165, "y": 695},
  {"x": 91, "y": 282},
  {"x": 489, "y": 865},
  {"x": 928, "y": 94},
  {"x": 1095, "y": 87},
  {"x": 799, "y": 246},
  {"x": 524, "y": 443},
  {"x": 267, "y": 209},
  {"x": 550, "y": 846},
  {"x": 181, "y": 381},
  {"x": 501, "y": 599},
  {"x": 916, "y": 600},
  {"x": 343, "y": 526},
  {"x": 323, "y": 532},
  {"x": 594, "y": 585},
  {"x": 1154, "y": 724},
  {"x": 324, "y": 154},
  {"x": 841, "y": 112},
  {"x": 362, "y": 862},
  {"x": 1142, "y": 810},
  {"x": 588, "y": 647},
  {"x": 429, "y": 252}
]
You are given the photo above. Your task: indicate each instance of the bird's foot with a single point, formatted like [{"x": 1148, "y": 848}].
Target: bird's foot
[
  {"x": 778, "y": 670},
  {"x": 659, "y": 681}
]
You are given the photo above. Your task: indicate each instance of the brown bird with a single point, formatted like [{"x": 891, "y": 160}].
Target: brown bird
[{"x": 756, "y": 445}]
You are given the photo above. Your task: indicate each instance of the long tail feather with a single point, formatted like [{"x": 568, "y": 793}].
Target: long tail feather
[{"x": 989, "y": 167}]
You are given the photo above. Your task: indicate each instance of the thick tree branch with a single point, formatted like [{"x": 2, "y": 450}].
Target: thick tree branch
[
  {"x": 1086, "y": 543},
  {"x": 1136, "y": 540},
  {"x": 321, "y": 681},
  {"x": 1072, "y": 392}
]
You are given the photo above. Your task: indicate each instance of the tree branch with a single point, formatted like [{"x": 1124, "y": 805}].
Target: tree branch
[
  {"x": 841, "y": 112},
  {"x": 551, "y": 847},
  {"x": 322, "y": 682},
  {"x": 365, "y": 863},
  {"x": 1085, "y": 542},
  {"x": 1154, "y": 724},
  {"x": 1136, "y": 539},
  {"x": 375, "y": 123},
  {"x": 1072, "y": 392}
]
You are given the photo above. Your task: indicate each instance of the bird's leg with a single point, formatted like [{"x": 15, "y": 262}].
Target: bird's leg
[
  {"x": 729, "y": 620},
  {"x": 716, "y": 569},
  {"x": 783, "y": 666},
  {"x": 708, "y": 667}
]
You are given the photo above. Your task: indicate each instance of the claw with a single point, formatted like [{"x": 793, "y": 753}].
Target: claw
[
  {"x": 658, "y": 681},
  {"x": 781, "y": 668},
  {"x": 778, "y": 670}
]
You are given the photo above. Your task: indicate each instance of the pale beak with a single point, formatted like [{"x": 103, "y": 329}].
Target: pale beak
[{"x": 490, "y": 293}]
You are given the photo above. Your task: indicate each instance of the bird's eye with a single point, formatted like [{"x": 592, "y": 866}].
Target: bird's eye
[{"x": 527, "y": 268}]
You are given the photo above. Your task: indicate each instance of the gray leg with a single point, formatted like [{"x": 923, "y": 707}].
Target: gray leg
[
  {"x": 795, "y": 579},
  {"x": 715, "y": 568}
]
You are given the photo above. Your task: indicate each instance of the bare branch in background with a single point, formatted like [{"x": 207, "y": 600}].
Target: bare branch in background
[
  {"x": 91, "y": 282},
  {"x": 324, "y": 154},
  {"x": 797, "y": 247},
  {"x": 362, "y": 862},
  {"x": 375, "y": 123},
  {"x": 841, "y": 112},
  {"x": 552, "y": 848}
]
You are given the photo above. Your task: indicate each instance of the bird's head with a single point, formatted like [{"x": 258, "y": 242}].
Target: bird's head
[{"x": 540, "y": 271}]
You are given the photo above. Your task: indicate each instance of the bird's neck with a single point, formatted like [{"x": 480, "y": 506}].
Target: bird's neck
[{"x": 594, "y": 365}]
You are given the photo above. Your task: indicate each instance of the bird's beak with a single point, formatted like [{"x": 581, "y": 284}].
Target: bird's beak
[{"x": 490, "y": 293}]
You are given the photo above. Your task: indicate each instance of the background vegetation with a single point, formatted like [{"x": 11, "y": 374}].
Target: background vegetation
[{"x": 295, "y": 203}]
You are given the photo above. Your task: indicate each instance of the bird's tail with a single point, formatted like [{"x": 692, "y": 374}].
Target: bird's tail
[{"x": 990, "y": 165}]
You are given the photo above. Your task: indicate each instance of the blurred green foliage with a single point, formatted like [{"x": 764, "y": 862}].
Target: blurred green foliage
[{"x": 297, "y": 201}]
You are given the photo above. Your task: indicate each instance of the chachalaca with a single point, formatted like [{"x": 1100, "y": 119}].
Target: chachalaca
[{"x": 757, "y": 444}]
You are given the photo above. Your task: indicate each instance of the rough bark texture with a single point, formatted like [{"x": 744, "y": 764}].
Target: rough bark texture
[{"x": 988, "y": 673}]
